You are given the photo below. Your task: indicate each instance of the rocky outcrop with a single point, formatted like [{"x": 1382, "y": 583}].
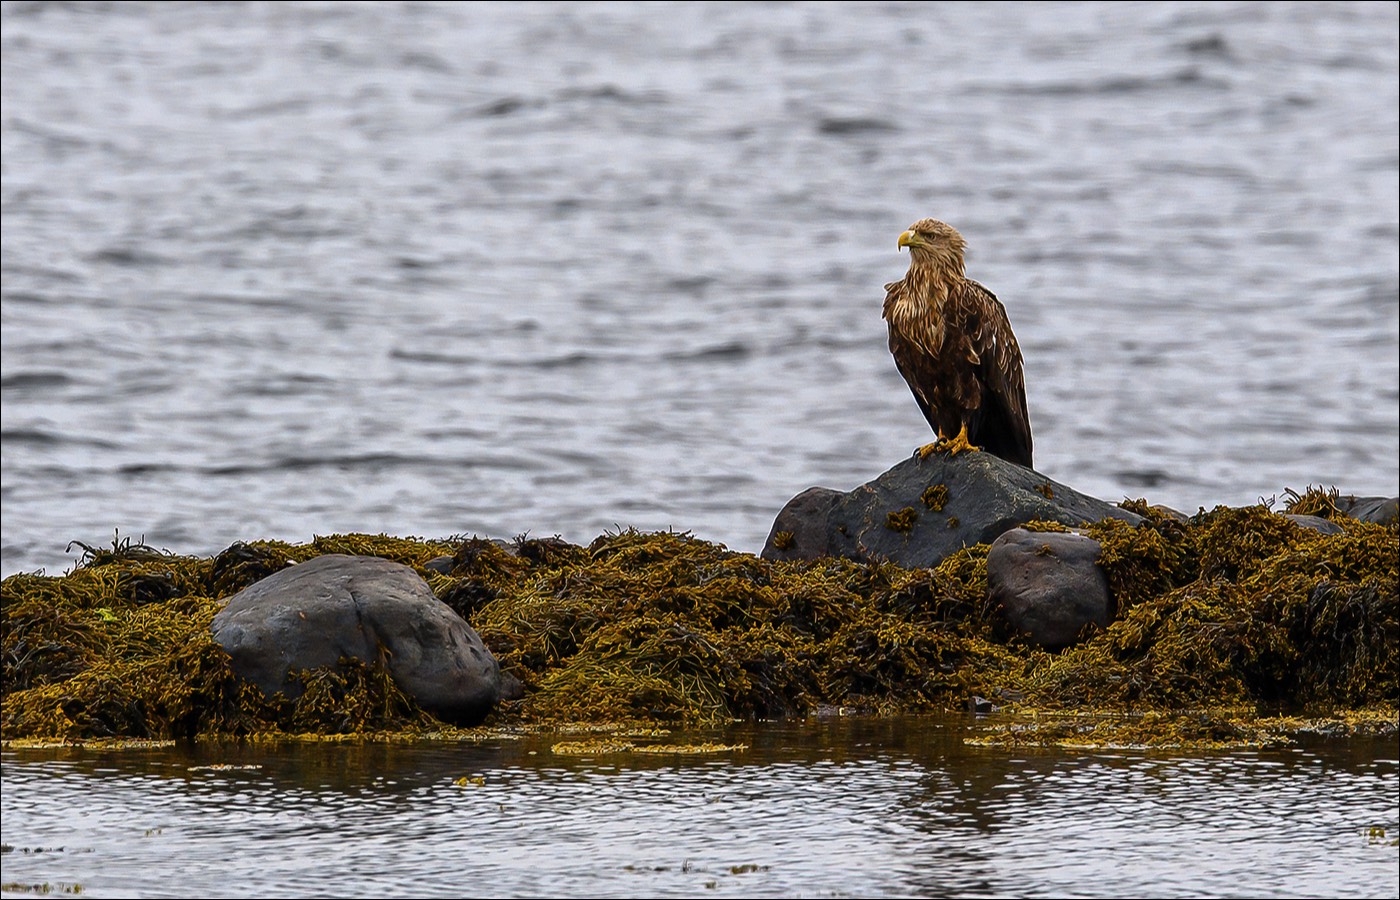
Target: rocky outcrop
[
  {"x": 1048, "y": 585},
  {"x": 923, "y": 510},
  {"x": 1381, "y": 510},
  {"x": 335, "y": 606}
]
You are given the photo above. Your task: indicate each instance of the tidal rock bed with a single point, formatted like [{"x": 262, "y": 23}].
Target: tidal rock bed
[{"x": 1233, "y": 626}]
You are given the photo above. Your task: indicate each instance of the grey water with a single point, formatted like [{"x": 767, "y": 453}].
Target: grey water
[
  {"x": 833, "y": 808},
  {"x": 273, "y": 270}
]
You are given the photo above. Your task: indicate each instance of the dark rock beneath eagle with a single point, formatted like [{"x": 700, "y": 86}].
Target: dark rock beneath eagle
[
  {"x": 923, "y": 510},
  {"x": 334, "y": 606},
  {"x": 1048, "y": 585}
]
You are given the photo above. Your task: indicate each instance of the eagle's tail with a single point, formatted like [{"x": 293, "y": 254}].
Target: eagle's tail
[{"x": 1004, "y": 436}]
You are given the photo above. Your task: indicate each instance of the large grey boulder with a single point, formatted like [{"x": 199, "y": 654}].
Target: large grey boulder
[
  {"x": 1048, "y": 585},
  {"x": 923, "y": 510},
  {"x": 334, "y": 606}
]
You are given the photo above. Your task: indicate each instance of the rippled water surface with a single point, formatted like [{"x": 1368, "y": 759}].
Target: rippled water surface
[
  {"x": 837, "y": 808},
  {"x": 273, "y": 270}
]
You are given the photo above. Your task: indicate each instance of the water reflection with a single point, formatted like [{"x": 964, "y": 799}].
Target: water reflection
[{"x": 836, "y": 807}]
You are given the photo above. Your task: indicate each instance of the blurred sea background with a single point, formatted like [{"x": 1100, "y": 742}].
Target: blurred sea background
[{"x": 273, "y": 270}]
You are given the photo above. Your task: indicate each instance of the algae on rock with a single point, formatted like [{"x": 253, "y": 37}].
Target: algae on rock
[{"x": 1235, "y": 609}]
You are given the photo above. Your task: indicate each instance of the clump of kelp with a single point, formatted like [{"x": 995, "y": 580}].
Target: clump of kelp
[
  {"x": 121, "y": 648},
  {"x": 1235, "y": 626}
]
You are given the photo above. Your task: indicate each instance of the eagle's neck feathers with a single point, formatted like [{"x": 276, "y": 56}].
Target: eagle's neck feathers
[{"x": 918, "y": 309}]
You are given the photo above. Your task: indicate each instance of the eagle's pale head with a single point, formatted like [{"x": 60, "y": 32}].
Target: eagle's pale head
[{"x": 934, "y": 243}]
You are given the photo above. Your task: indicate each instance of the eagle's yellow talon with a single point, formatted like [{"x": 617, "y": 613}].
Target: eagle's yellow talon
[
  {"x": 957, "y": 445},
  {"x": 951, "y": 446}
]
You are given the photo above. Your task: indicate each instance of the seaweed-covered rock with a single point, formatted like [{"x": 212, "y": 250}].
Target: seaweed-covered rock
[
  {"x": 1048, "y": 585},
  {"x": 1332, "y": 505},
  {"x": 923, "y": 510},
  {"x": 365, "y": 608},
  {"x": 1235, "y": 609}
]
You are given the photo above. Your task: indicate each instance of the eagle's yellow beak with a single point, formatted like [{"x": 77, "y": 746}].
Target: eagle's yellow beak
[{"x": 907, "y": 239}]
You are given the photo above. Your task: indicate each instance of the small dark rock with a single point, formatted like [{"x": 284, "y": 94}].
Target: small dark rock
[
  {"x": 512, "y": 688},
  {"x": 1316, "y": 523},
  {"x": 333, "y": 606},
  {"x": 978, "y": 497},
  {"x": 1048, "y": 585},
  {"x": 440, "y": 564}
]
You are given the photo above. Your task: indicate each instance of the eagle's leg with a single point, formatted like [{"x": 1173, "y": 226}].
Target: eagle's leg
[
  {"x": 952, "y": 446},
  {"x": 958, "y": 444}
]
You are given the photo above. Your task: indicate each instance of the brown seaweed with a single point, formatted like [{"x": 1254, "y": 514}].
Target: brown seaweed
[{"x": 1238, "y": 612}]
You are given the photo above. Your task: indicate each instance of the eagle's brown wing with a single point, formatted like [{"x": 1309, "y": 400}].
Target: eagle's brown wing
[{"x": 1004, "y": 428}]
